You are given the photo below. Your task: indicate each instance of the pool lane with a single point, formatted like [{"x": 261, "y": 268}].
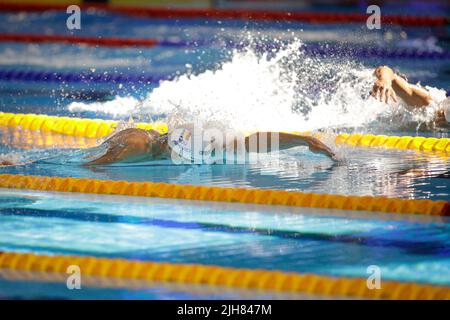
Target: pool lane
[
  {"x": 363, "y": 171},
  {"x": 326, "y": 242}
]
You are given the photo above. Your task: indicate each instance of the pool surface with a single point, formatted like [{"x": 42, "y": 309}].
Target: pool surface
[
  {"x": 246, "y": 75},
  {"x": 317, "y": 241}
]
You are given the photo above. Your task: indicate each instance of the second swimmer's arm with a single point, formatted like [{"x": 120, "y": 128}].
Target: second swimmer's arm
[{"x": 389, "y": 86}]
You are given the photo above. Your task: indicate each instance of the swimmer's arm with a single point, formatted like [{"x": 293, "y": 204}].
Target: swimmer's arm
[
  {"x": 286, "y": 141},
  {"x": 389, "y": 85}
]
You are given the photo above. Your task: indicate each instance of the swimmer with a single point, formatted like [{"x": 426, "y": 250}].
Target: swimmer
[
  {"x": 134, "y": 145},
  {"x": 389, "y": 85},
  {"x": 137, "y": 144}
]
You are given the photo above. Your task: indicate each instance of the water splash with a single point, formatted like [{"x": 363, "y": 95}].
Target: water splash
[
  {"x": 286, "y": 90},
  {"x": 118, "y": 107},
  {"x": 279, "y": 90}
]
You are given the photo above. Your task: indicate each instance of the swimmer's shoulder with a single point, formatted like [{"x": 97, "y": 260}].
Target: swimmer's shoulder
[{"x": 133, "y": 133}]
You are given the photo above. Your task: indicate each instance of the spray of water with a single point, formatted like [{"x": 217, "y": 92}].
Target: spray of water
[
  {"x": 118, "y": 107},
  {"x": 278, "y": 90}
]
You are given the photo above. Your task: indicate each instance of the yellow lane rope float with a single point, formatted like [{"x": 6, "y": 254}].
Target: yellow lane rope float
[
  {"x": 395, "y": 142},
  {"x": 240, "y": 195},
  {"x": 96, "y": 128},
  {"x": 139, "y": 284},
  {"x": 223, "y": 276},
  {"x": 79, "y": 127}
]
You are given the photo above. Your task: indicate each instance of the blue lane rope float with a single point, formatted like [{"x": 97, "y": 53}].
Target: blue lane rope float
[
  {"x": 377, "y": 52},
  {"x": 313, "y": 49},
  {"x": 352, "y": 51},
  {"x": 73, "y": 77}
]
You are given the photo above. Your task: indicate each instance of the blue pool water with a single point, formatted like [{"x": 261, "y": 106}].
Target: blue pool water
[
  {"x": 377, "y": 172},
  {"x": 243, "y": 236},
  {"x": 328, "y": 242}
]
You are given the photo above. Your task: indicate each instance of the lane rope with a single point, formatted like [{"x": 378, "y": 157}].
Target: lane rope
[
  {"x": 221, "y": 194},
  {"x": 257, "y": 15},
  {"x": 312, "y": 49},
  {"x": 223, "y": 276},
  {"x": 395, "y": 142},
  {"x": 139, "y": 284},
  {"x": 72, "y": 77},
  {"x": 78, "y": 127},
  {"x": 96, "y": 128}
]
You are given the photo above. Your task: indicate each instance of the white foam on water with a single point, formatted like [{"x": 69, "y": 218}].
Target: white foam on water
[
  {"x": 280, "y": 91},
  {"x": 283, "y": 91},
  {"x": 117, "y": 107}
]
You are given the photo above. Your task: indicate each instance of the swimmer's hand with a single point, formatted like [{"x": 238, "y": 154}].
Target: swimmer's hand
[
  {"x": 382, "y": 89},
  {"x": 316, "y": 146}
]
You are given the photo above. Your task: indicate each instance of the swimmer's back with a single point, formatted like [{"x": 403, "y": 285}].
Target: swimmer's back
[
  {"x": 130, "y": 144},
  {"x": 136, "y": 136}
]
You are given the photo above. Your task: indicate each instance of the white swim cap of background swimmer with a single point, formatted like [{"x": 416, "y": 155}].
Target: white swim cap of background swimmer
[
  {"x": 181, "y": 143},
  {"x": 446, "y": 108}
]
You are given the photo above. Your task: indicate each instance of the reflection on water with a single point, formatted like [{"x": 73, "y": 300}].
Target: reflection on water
[
  {"x": 34, "y": 139},
  {"x": 379, "y": 172}
]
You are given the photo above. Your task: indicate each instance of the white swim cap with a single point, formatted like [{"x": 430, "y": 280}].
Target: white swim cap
[
  {"x": 446, "y": 108},
  {"x": 180, "y": 141}
]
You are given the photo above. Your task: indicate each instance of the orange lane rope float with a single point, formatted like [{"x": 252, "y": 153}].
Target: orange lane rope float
[
  {"x": 223, "y": 276},
  {"x": 240, "y": 195},
  {"x": 96, "y": 128}
]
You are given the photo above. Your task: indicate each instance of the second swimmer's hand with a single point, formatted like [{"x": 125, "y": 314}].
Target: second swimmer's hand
[{"x": 382, "y": 88}]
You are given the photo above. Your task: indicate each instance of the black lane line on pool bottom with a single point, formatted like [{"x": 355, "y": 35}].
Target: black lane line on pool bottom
[{"x": 432, "y": 247}]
